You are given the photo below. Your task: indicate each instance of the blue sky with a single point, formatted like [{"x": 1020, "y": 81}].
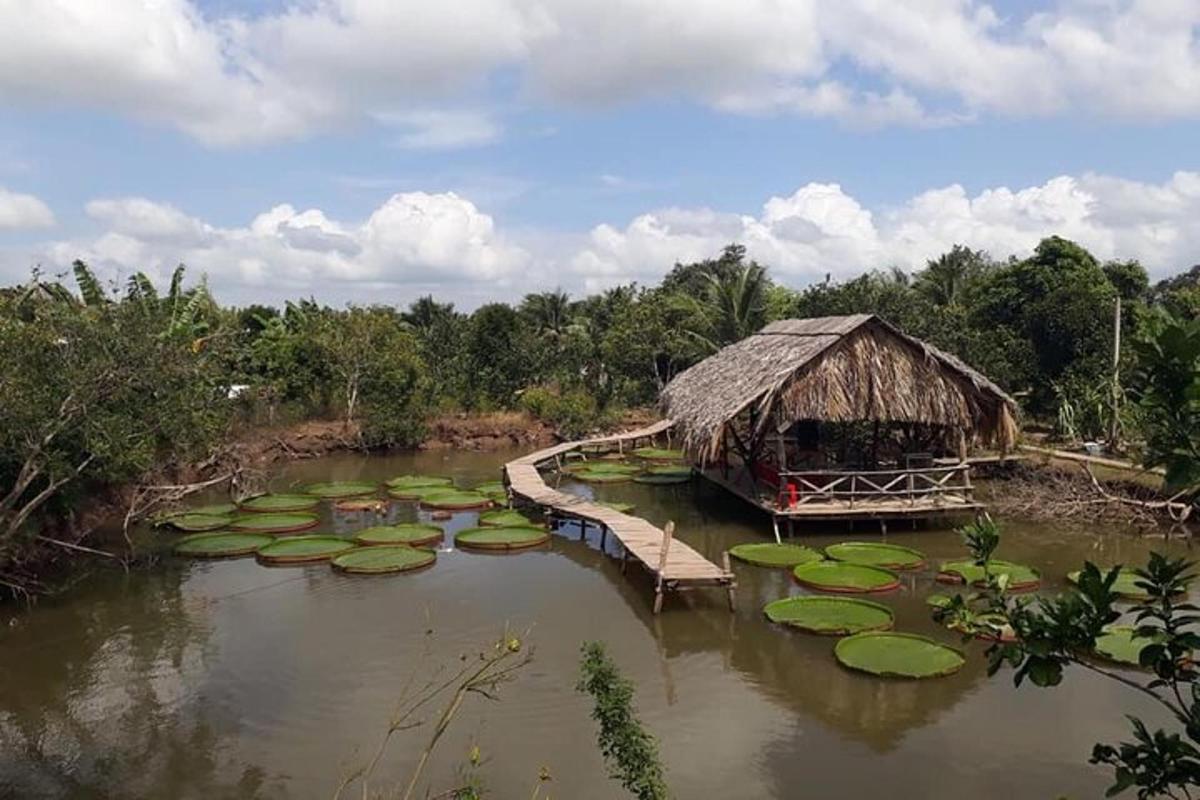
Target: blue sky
[{"x": 387, "y": 149}]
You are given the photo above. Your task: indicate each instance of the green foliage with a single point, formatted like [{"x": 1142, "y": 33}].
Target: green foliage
[
  {"x": 1167, "y": 389},
  {"x": 573, "y": 413},
  {"x": 630, "y": 751},
  {"x": 1051, "y": 634}
]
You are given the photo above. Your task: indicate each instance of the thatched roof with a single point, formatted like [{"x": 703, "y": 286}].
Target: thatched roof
[{"x": 835, "y": 369}]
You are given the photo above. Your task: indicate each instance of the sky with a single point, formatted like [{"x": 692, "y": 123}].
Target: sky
[{"x": 373, "y": 151}]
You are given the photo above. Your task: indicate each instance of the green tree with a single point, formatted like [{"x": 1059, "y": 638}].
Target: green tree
[
  {"x": 948, "y": 279},
  {"x": 500, "y": 354},
  {"x": 1166, "y": 385}
]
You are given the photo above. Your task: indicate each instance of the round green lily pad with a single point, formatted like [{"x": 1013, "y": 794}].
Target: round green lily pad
[
  {"x": 505, "y": 517},
  {"x": 418, "y": 481},
  {"x": 1020, "y": 577},
  {"x": 352, "y": 505},
  {"x": 216, "y": 509},
  {"x": 337, "y": 490},
  {"x": 675, "y": 471},
  {"x": 455, "y": 501},
  {"x": 196, "y": 522},
  {"x": 303, "y": 549},
  {"x": 221, "y": 545},
  {"x": 620, "y": 508},
  {"x": 419, "y": 492},
  {"x": 771, "y": 554},
  {"x": 658, "y": 454},
  {"x": 838, "y": 576},
  {"x": 615, "y": 467},
  {"x": 382, "y": 560},
  {"x": 876, "y": 554},
  {"x": 834, "y": 616},
  {"x": 413, "y": 534},
  {"x": 509, "y": 537},
  {"x": 491, "y": 487},
  {"x": 601, "y": 476},
  {"x": 1118, "y": 643},
  {"x": 898, "y": 655},
  {"x": 274, "y": 523},
  {"x": 281, "y": 503},
  {"x": 1126, "y": 584}
]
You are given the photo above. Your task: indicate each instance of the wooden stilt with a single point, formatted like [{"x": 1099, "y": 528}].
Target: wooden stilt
[
  {"x": 775, "y": 526},
  {"x": 660, "y": 582},
  {"x": 731, "y": 587},
  {"x": 883, "y": 526}
]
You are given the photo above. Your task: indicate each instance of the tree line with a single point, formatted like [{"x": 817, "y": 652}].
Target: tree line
[{"x": 104, "y": 384}]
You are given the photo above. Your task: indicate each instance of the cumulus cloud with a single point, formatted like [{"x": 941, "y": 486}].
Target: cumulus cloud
[
  {"x": 821, "y": 230},
  {"x": 442, "y": 243},
  {"x": 20, "y": 211},
  {"x": 413, "y": 241},
  {"x": 310, "y": 67}
]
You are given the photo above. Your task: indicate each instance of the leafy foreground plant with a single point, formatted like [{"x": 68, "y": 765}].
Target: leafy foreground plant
[
  {"x": 1054, "y": 633},
  {"x": 480, "y": 674},
  {"x": 630, "y": 751}
]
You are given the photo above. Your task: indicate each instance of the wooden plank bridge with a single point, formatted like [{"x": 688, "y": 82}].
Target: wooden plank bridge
[{"x": 675, "y": 565}]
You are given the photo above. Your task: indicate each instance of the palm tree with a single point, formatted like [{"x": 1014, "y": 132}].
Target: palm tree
[
  {"x": 550, "y": 313},
  {"x": 945, "y": 279},
  {"x": 731, "y": 307}
]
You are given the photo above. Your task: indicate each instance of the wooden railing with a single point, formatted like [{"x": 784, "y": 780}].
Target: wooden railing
[{"x": 898, "y": 485}]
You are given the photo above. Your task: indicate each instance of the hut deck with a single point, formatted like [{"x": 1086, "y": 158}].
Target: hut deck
[
  {"x": 836, "y": 509},
  {"x": 675, "y": 565}
]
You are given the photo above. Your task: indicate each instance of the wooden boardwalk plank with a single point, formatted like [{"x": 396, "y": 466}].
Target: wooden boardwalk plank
[{"x": 684, "y": 567}]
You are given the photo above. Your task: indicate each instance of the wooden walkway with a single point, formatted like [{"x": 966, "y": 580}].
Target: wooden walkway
[{"x": 675, "y": 565}]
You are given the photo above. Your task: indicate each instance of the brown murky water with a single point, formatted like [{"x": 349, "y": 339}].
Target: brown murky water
[{"x": 231, "y": 680}]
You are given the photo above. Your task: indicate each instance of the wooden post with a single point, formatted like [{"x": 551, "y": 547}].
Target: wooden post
[
  {"x": 659, "y": 586},
  {"x": 775, "y": 525},
  {"x": 1114, "y": 424},
  {"x": 731, "y": 586}
]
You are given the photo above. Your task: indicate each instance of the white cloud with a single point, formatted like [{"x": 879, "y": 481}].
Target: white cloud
[
  {"x": 442, "y": 243},
  {"x": 18, "y": 211},
  {"x": 318, "y": 66},
  {"x": 412, "y": 240},
  {"x": 820, "y": 229}
]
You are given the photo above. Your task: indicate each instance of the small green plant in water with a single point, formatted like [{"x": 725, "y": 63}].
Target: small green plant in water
[
  {"x": 1050, "y": 634},
  {"x": 629, "y": 750}
]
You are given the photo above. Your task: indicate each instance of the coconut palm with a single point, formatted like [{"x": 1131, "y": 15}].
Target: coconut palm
[
  {"x": 731, "y": 307},
  {"x": 945, "y": 279},
  {"x": 549, "y": 312}
]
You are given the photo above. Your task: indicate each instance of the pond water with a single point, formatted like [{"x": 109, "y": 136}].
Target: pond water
[{"x": 229, "y": 679}]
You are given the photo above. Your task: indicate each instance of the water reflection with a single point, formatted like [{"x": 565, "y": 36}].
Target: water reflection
[{"x": 226, "y": 679}]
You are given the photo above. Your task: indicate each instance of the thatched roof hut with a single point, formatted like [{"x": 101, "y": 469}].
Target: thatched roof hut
[{"x": 834, "y": 369}]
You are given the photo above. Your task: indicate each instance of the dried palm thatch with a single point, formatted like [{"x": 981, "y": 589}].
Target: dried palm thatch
[{"x": 834, "y": 369}]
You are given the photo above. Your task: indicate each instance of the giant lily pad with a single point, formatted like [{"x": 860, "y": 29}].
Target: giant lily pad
[
  {"x": 620, "y": 508},
  {"x": 382, "y": 560},
  {"x": 838, "y": 576},
  {"x": 614, "y": 467},
  {"x": 1120, "y": 643},
  {"x": 505, "y": 517},
  {"x": 274, "y": 523},
  {"x": 501, "y": 538},
  {"x": 658, "y": 454},
  {"x": 455, "y": 501},
  {"x": 601, "y": 476},
  {"x": 419, "y": 492},
  {"x": 876, "y": 554},
  {"x": 281, "y": 503},
  {"x": 835, "y": 616},
  {"x": 986, "y": 626},
  {"x": 665, "y": 476},
  {"x": 1126, "y": 584},
  {"x": 221, "y": 545},
  {"x": 337, "y": 490},
  {"x": 1020, "y": 577},
  {"x": 418, "y": 481},
  {"x": 354, "y": 505},
  {"x": 413, "y": 534},
  {"x": 303, "y": 549},
  {"x": 898, "y": 655},
  {"x": 771, "y": 554},
  {"x": 195, "y": 522}
]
